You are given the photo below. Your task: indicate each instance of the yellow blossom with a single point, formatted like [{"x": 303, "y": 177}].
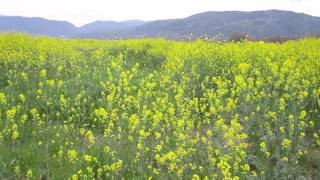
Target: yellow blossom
[
  {"x": 286, "y": 143},
  {"x": 11, "y": 113},
  {"x": 43, "y": 73},
  {"x": 72, "y": 155},
  {"x": 90, "y": 137},
  {"x": 87, "y": 158},
  {"x": 195, "y": 177},
  {"x": 101, "y": 113},
  {"x": 3, "y": 99},
  {"x": 29, "y": 173}
]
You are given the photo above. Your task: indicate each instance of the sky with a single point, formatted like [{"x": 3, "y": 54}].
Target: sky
[{"x": 80, "y": 12}]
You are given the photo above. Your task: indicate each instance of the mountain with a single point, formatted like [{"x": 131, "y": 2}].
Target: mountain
[
  {"x": 36, "y": 26},
  {"x": 257, "y": 24},
  {"x": 108, "y": 28}
]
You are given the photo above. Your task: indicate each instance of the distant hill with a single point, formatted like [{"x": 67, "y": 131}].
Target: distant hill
[
  {"x": 36, "y": 26},
  {"x": 104, "y": 29},
  {"x": 257, "y": 24},
  {"x": 107, "y": 26}
]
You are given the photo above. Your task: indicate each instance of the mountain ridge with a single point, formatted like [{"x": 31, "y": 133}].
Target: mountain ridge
[
  {"x": 36, "y": 26},
  {"x": 257, "y": 24}
]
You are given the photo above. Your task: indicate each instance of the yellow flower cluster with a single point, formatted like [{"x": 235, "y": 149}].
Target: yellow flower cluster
[
  {"x": 3, "y": 98},
  {"x": 158, "y": 109}
]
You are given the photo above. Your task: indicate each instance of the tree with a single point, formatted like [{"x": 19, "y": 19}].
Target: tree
[{"x": 239, "y": 37}]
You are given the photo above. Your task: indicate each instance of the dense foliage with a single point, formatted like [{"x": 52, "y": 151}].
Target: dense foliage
[{"x": 158, "y": 109}]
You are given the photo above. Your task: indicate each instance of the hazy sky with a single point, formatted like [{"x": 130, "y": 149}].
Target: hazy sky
[{"x": 80, "y": 12}]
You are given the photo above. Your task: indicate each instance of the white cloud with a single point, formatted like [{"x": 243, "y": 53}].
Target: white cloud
[{"x": 84, "y": 11}]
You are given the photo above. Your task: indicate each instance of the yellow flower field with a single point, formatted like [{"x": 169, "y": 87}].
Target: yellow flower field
[{"x": 158, "y": 109}]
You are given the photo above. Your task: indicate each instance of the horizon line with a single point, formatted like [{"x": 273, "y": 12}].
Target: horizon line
[{"x": 120, "y": 21}]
